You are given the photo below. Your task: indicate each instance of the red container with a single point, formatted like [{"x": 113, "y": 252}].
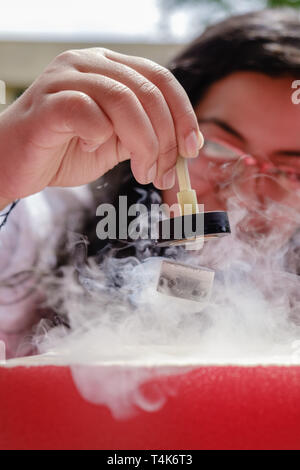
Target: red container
[{"x": 214, "y": 407}]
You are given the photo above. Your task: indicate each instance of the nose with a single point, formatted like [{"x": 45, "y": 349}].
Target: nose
[{"x": 263, "y": 164}]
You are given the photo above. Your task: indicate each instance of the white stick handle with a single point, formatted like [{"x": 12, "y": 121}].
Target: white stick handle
[{"x": 183, "y": 174}]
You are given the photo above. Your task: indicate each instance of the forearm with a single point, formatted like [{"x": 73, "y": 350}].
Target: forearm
[{"x": 9, "y": 136}]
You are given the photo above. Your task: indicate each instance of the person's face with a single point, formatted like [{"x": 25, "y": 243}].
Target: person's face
[{"x": 252, "y": 153}]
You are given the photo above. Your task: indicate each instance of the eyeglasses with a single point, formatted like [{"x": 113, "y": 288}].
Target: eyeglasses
[{"x": 227, "y": 160}]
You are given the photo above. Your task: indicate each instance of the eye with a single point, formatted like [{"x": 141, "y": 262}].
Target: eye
[
  {"x": 219, "y": 152},
  {"x": 290, "y": 166},
  {"x": 290, "y": 173}
]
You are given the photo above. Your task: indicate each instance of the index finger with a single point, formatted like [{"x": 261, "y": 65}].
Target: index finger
[{"x": 189, "y": 137}]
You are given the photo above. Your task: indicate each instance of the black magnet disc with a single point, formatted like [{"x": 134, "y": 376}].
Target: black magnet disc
[{"x": 192, "y": 227}]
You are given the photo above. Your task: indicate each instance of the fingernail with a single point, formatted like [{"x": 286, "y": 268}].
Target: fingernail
[
  {"x": 193, "y": 143},
  {"x": 200, "y": 139},
  {"x": 168, "y": 179},
  {"x": 152, "y": 173}
]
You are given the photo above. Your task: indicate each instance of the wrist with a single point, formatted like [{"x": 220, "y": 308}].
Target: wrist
[{"x": 4, "y": 203}]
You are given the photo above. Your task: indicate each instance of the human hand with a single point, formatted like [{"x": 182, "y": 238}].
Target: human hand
[{"x": 89, "y": 110}]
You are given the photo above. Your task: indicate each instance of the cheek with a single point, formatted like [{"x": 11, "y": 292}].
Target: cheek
[{"x": 209, "y": 177}]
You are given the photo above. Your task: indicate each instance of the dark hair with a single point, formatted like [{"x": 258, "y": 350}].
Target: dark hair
[{"x": 266, "y": 41}]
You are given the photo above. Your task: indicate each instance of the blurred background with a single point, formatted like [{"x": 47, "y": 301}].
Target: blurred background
[{"x": 32, "y": 33}]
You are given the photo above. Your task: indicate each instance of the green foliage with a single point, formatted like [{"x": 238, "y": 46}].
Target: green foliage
[
  {"x": 284, "y": 3},
  {"x": 224, "y": 4}
]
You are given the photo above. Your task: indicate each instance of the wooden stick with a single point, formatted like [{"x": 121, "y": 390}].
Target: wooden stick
[
  {"x": 187, "y": 198},
  {"x": 183, "y": 174}
]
